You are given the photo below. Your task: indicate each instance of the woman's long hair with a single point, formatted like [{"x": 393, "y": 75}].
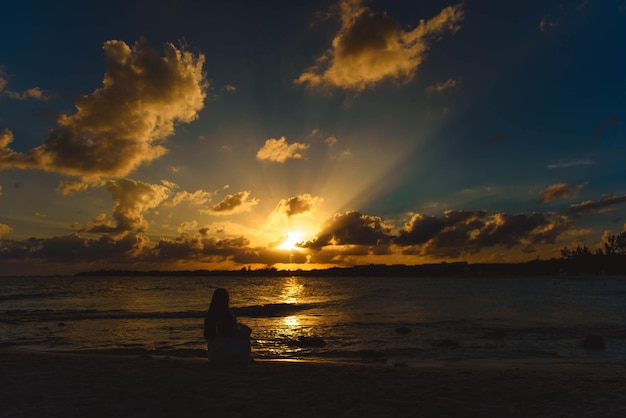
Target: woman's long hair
[{"x": 219, "y": 321}]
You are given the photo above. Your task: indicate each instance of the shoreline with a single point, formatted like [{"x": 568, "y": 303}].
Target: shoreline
[{"x": 51, "y": 384}]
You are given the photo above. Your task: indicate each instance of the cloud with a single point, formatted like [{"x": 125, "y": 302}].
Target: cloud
[
  {"x": 545, "y": 24},
  {"x": 605, "y": 125},
  {"x": 469, "y": 232},
  {"x": 352, "y": 228},
  {"x": 571, "y": 164},
  {"x": 200, "y": 247},
  {"x": 186, "y": 226},
  {"x": 75, "y": 250},
  {"x": 603, "y": 205},
  {"x": 132, "y": 199},
  {"x": 422, "y": 228},
  {"x": 33, "y": 93},
  {"x": 581, "y": 6},
  {"x": 119, "y": 126},
  {"x": 298, "y": 205},
  {"x": 6, "y": 137},
  {"x": 371, "y": 46},
  {"x": 560, "y": 191},
  {"x": 4, "y": 229},
  {"x": 445, "y": 85},
  {"x": 199, "y": 197},
  {"x": 279, "y": 151},
  {"x": 235, "y": 203},
  {"x": 68, "y": 187}
]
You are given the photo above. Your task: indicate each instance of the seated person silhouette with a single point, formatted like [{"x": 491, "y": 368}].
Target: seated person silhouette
[{"x": 227, "y": 341}]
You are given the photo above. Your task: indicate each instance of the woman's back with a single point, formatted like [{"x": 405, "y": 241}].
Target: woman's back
[{"x": 227, "y": 341}]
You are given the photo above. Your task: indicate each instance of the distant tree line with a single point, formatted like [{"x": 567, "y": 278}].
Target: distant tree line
[{"x": 611, "y": 259}]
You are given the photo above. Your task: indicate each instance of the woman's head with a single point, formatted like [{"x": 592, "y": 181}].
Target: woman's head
[{"x": 220, "y": 300}]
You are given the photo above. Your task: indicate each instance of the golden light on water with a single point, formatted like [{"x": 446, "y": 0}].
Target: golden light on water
[
  {"x": 291, "y": 321},
  {"x": 292, "y": 290}
]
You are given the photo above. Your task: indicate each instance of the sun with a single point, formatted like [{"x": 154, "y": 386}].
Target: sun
[{"x": 290, "y": 241}]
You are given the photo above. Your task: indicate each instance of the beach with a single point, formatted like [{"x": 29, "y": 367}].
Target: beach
[{"x": 52, "y": 385}]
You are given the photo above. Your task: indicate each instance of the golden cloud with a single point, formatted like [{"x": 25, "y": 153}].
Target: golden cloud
[
  {"x": 118, "y": 127},
  {"x": 32, "y": 93},
  {"x": 371, "y": 46},
  {"x": 279, "y": 150},
  {"x": 199, "y": 197},
  {"x": 68, "y": 187},
  {"x": 4, "y": 229},
  {"x": 559, "y": 191}
]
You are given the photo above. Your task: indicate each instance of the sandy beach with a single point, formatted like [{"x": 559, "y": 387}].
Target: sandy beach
[{"x": 49, "y": 385}]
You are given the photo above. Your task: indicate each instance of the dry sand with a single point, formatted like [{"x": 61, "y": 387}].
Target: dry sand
[{"x": 50, "y": 385}]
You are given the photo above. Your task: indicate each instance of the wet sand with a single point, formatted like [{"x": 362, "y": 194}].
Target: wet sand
[{"x": 52, "y": 385}]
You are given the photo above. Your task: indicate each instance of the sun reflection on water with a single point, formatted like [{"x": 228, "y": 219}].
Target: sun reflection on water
[
  {"x": 292, "y": 290},
  {"x": 291, "y": 322}
]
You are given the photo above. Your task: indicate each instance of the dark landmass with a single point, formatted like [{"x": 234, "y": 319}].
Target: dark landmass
[{"x": 553, "y": 267}]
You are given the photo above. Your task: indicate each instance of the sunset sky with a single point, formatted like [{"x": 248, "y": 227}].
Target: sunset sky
[{"x": 187, "y": 134}]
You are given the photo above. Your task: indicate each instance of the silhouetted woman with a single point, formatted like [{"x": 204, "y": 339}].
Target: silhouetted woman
[{"x": 227, "y": 341}]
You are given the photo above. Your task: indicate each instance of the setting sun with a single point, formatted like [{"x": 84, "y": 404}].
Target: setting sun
[{"x": 290, "y": 241}]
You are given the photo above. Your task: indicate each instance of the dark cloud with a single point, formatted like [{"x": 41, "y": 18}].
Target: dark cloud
[
  {"x": 199, "y": 247},
  {"x": 422, "y": 228},
  {"x": 118, "y": 126},
  {"x": 76, "y": 249},
  {"x": 132, "y": 199},
  {"x": 235, "y": 203},
  {"x": 560, "y": 191},
  {"x": 297, "y": 205},
  {"x": 469, "y": 232},
  {"x": 352, "y": 228},
  {"x": 444, "y": 85},
  {"x": 603, "y": 205}
]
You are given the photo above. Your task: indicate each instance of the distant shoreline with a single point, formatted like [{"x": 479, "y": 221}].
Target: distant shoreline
[{"x": 542, "y": 268}]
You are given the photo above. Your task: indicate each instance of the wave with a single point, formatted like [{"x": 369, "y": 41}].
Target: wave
[
  {"x": 26, "y": 296},
  {"x": 271, "y": 310},
  {"x": 44, "y": 315}
]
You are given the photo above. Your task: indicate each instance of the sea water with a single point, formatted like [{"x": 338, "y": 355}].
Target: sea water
[{"x": 398, "y": 320}]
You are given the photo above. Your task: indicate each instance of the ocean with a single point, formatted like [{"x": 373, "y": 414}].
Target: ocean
[{"x": 395, "y": 320}]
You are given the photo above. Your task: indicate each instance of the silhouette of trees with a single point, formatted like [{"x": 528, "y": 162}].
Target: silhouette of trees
[
  {"x": 611, "y": 259},
  {"x": 616, "y": 245}
]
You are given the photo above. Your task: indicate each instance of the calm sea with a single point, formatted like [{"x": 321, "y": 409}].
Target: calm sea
[{"x": 398, "y": 320}]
